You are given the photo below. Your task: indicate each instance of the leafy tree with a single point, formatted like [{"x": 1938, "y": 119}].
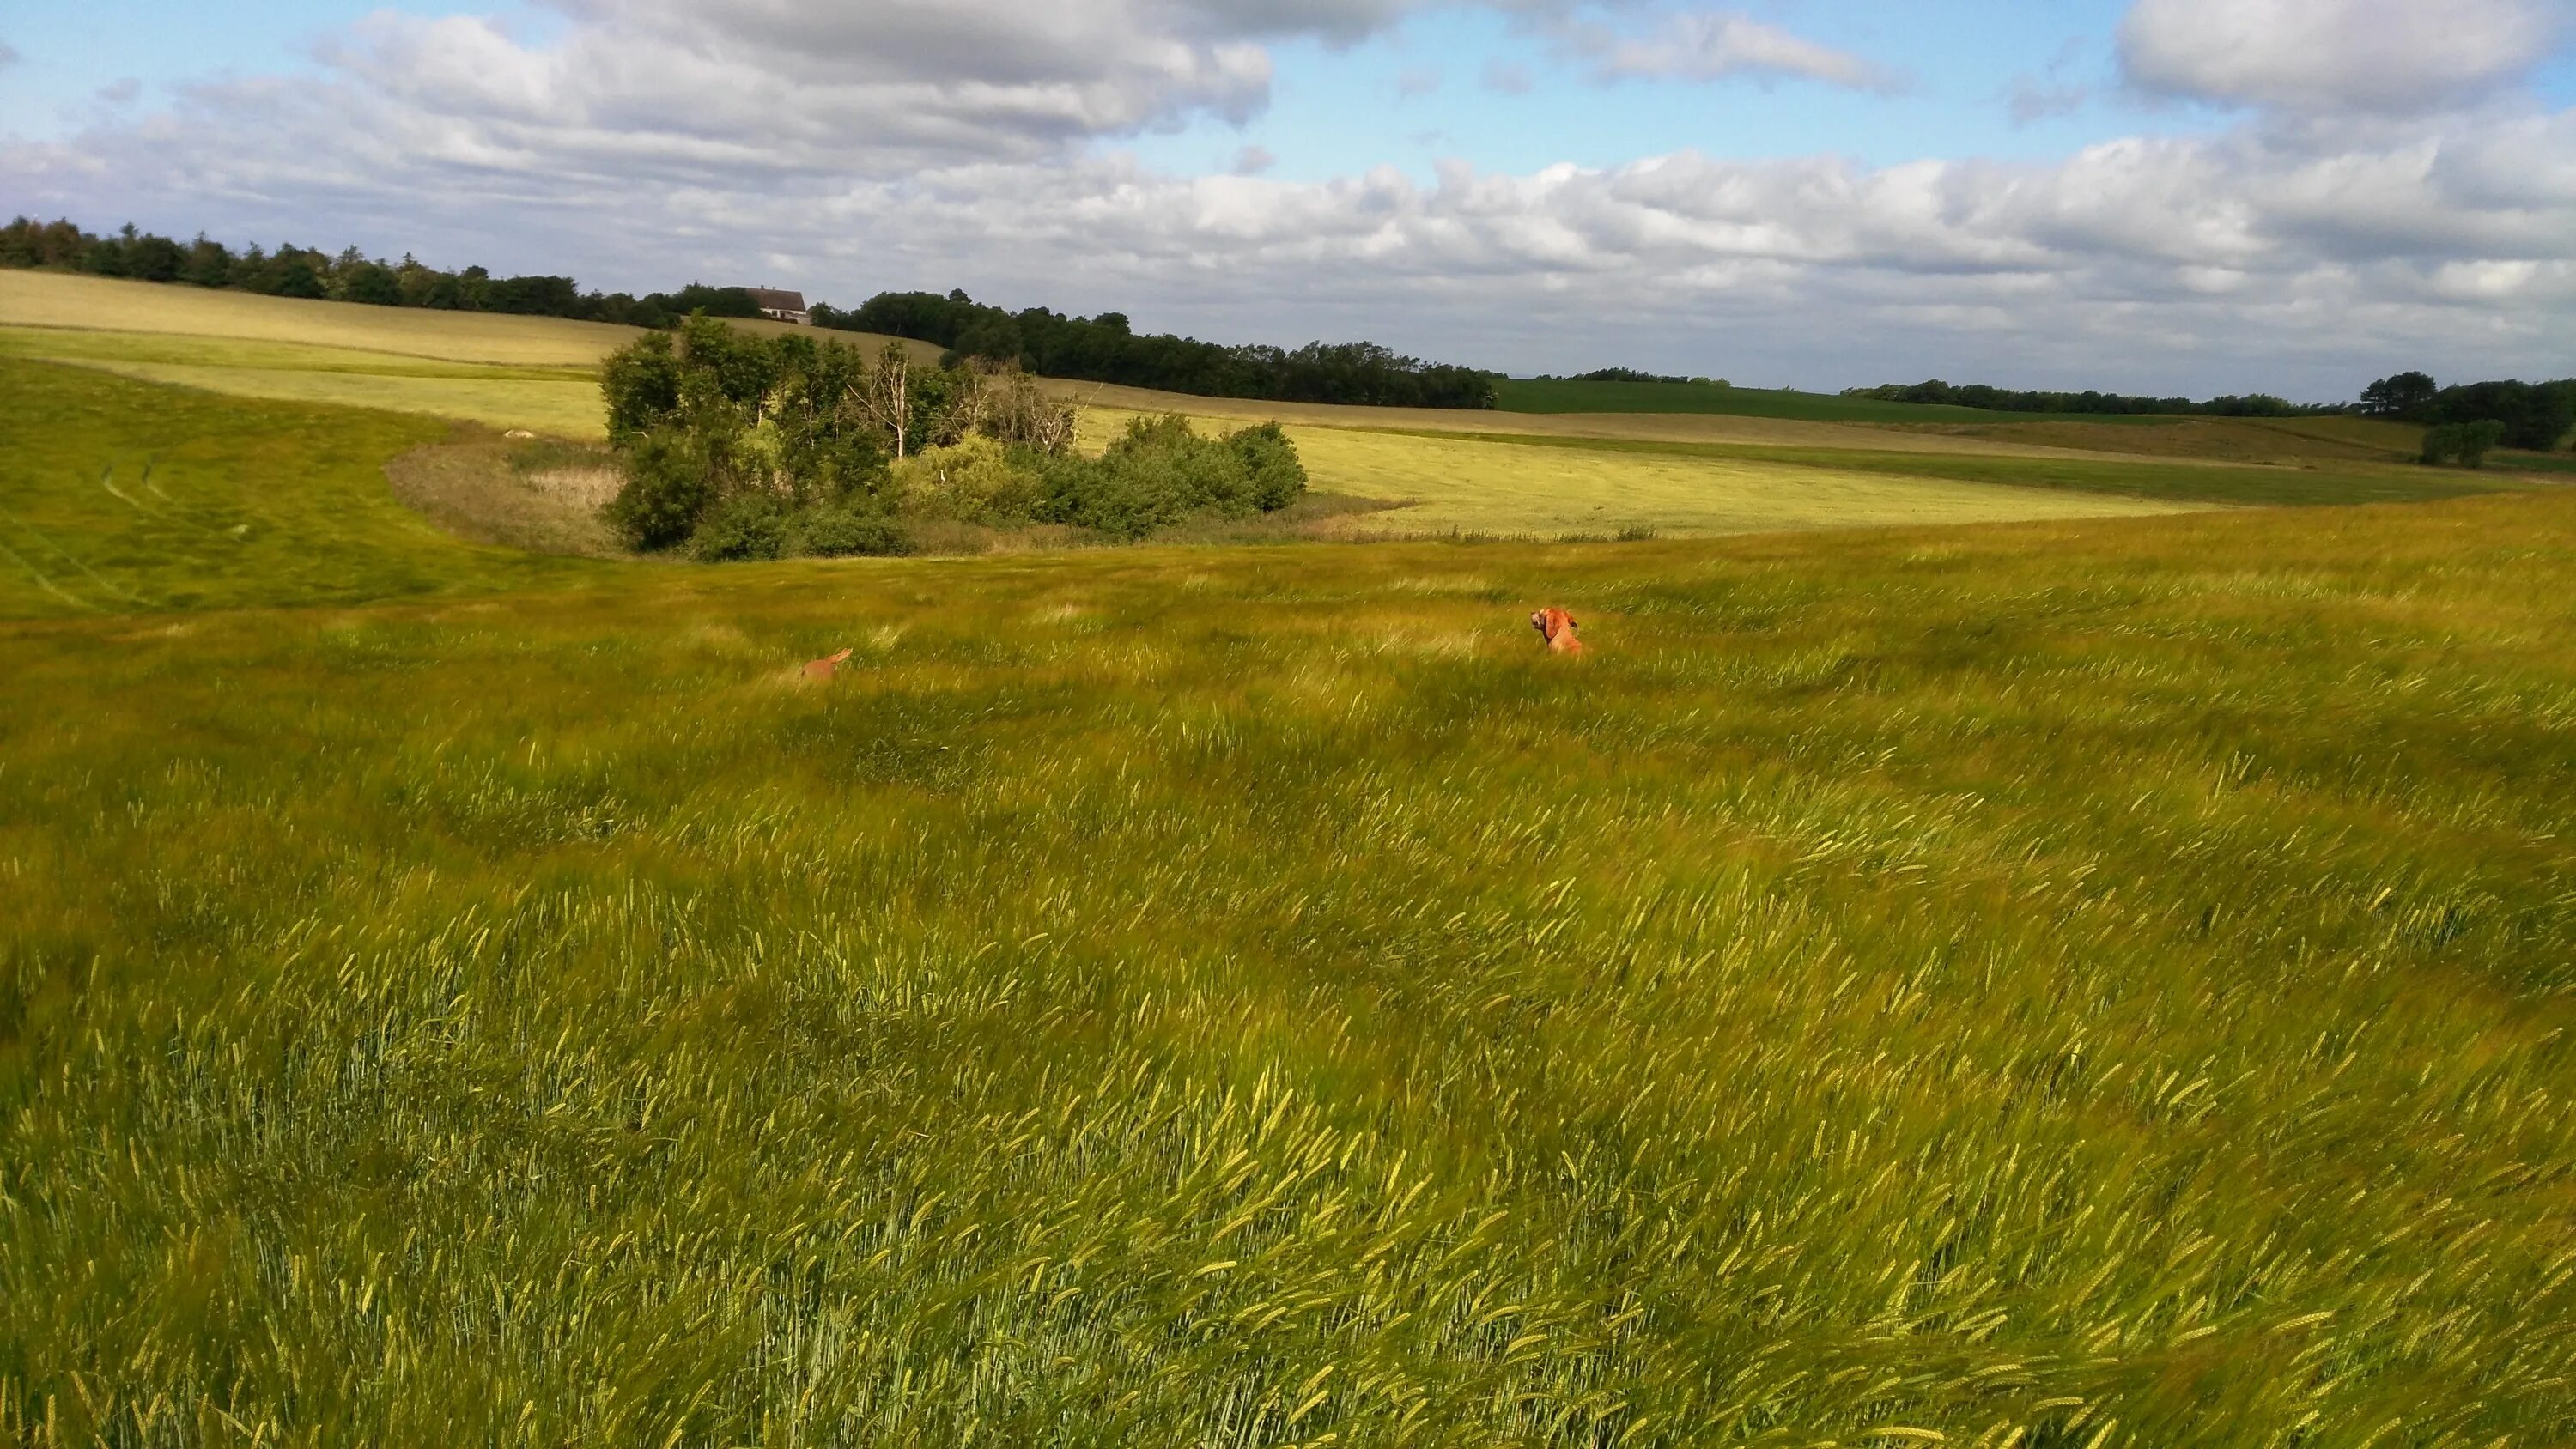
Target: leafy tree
[
  {"x": 151, "y": 258},
  {"x": 373, "y": 283},
  {"x": 666, "y": 490},
  {"x": 210, "y": 264},
  {"x": 2406, "y": 395}
]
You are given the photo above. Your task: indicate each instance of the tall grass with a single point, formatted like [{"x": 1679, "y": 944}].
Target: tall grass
[{"x": 2059, "y": 984}]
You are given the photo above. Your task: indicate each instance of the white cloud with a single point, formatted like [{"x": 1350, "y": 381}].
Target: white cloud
[
  {"x": 8, "y": 55},
  {"x": 1716, "y": 45},
  {"x": 1417, "y": 82},
  {"x": 2290, "y": 258},
  {"x": 2336, "y": 55},
  {"x": 1505, "y": 78}
]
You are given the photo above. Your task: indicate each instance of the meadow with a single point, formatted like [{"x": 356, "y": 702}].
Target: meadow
[{"x": 2076, "y": 983}]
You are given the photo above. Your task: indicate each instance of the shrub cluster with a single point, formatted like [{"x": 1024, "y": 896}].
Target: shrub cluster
[
  {"x": 736, "y": 447},
  {"x": 1106, "y": 349},
  {"x": 2466, "y": 444}
]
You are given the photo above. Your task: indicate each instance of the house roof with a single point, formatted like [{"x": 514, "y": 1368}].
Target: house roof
[{"x": 777, "y": 301}]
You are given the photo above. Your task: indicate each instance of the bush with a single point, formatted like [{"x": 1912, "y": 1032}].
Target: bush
[
  {"x": 831, "y": 532},
  {"x": 1162, "y": 472},
  {"x": 2463, "y": 443},
  {"x": 1274, "y": 476},
  {"x": 745, "y": 526},
  {"x": 973, "y": 480},
  {"x": 666, "y": 492}
]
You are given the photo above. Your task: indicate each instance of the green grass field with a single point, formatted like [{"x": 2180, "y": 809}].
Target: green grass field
[{"x": 2086, "y": 983}]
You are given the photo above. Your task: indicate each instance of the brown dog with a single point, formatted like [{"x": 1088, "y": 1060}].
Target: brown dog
[
  {"x": 827, "y": 666},
  {"x": 1557, "y": 627}
]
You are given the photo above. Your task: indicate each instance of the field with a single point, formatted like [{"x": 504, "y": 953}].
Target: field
[
  {"x": 2080, "y": 983},
  {"x": 1795, "y": 461}
]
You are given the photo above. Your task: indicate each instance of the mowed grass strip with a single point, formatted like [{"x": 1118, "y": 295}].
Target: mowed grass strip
[
  {"x": 117, "y": 496},
  {"x": 2062, "y": 983}
]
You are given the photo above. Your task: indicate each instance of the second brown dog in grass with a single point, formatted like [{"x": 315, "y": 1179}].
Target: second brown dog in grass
[
  {"x": 1557, "y": 627},
  {"x": 827, "y": 666}
]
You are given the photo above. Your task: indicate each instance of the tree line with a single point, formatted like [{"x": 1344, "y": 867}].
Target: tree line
[
  {"x": 732, "y": 446},
  {"x": 1107, "y": 349},
  {"x": 348, "y": 276},
  {"x": 2107, "y": 404}
]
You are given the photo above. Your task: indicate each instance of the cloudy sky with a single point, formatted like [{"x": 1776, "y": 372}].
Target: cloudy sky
[{"x": 2146, "y": 195}]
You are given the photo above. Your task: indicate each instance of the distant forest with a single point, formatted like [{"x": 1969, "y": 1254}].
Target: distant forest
[
  {"x": 2109, "y": 404},
  {"x": 1106, "y": 349}
]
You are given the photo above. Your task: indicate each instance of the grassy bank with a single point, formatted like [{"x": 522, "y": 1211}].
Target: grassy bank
[{"x": 2085, "y": 984}]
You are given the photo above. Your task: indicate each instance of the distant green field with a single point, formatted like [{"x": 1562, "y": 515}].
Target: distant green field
[{"x": 1521, "y": 395}]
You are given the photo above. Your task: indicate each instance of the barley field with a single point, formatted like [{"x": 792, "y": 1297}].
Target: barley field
[{"x": 2090, "y": 983}]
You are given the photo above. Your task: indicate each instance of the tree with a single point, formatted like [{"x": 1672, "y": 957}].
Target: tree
[
  {"x": 884, "y": 396},
  {"x": 373, "y": 283},
  {"x": 2403, "y": 395}
]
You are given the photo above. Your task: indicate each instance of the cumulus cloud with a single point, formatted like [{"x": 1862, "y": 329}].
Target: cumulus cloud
[
  {"x": 1417, "y": 82},
  {"x": 2285, "y": 258},
  {"x": 8, "y": 55},
  {"x": 1717, "y": 44},
  {"x": 2391, "y": 56},
  {"x": 1505, "y": 78}
]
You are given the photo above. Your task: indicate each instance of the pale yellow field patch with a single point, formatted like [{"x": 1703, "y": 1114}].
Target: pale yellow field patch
[
  {"x": 565, "y": 409},
  {"x": 53, "y": 299}
]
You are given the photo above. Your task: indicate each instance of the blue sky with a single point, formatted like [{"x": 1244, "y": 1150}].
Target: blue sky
[{"x": 2200, "y": 195}]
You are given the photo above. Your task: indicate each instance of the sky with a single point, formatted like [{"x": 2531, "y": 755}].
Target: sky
[{"x": 2154, "y": 196}]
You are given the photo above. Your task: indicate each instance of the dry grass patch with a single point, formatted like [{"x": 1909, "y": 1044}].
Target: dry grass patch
[{"x": 543, "y": 498}]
